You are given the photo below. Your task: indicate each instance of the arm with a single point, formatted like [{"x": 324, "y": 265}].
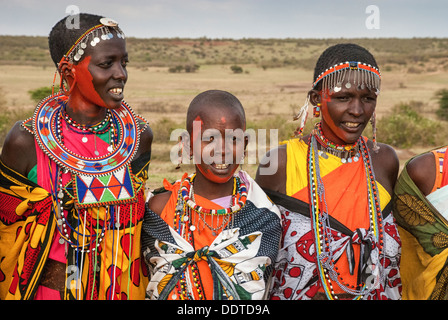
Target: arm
[
  {"x": 146, "y": 138},
  {"x": 385, "y": 165},
  {"x": 157, "y": 203},
  {"x": 19, "y": 150},
  {"x": 274, "y": 160},
  {"x": 422, "y": 171}
]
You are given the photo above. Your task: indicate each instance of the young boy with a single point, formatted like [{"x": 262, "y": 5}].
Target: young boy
[{"x": 213, "y": 234}]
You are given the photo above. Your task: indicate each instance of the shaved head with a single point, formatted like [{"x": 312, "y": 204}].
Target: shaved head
[{"x": 204, "y": 103}]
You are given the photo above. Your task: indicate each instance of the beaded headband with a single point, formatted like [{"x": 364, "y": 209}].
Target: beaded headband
[
  {"x": 364, "y": 75},
  {"x": 93, "y": 36}
]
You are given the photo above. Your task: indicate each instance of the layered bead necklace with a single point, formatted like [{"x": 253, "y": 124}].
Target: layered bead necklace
[
  {"x": 104, "y": 126},
  {"x": 187, "y": 218},
  {"x": 348, "y": 153},
  {"x": 323, "y": 236}
]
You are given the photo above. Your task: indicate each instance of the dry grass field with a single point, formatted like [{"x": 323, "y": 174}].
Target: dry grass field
[{"x": 275, "y": 79}]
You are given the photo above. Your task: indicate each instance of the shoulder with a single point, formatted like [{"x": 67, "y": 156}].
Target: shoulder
[
  {"x": 146, "y": 138},
  {"x": 271, "y": 173},
  {"x": 422, "y": 170},
  {"x": 18, "y": 152},
  {"x": 158, "y": 202},
  {"x": 385, "y": 164},
  {"x": 386, "y": 155}
]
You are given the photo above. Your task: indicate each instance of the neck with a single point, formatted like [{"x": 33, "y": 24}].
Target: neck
[
  {"x": 211, "y": 190},
  {"x": 326, "y": 143},
  {"x": 84, "y": 113}
]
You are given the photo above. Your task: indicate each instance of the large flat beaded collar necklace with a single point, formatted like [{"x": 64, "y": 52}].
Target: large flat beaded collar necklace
[
  {"x": 44, "y": 124},
  {"x": 99, "y": 180}
]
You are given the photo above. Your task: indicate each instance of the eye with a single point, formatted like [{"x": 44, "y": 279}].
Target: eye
[
  {"x": 208, "y": 139},
  {"x": 342, "y": 98},
  {"x": 125, "y": 63},
  {"x": 370, "y": 98},
  {"x": 105, "y": 64}
]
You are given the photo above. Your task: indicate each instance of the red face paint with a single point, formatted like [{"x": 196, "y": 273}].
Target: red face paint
[
  {"x": 209, "y": 144},
  {"x": 213, "y": 177},
  {"x": 84, "y": 82}
]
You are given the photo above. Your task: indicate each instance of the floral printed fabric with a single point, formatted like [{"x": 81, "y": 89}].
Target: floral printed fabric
[{"x": 295, "y": 275}]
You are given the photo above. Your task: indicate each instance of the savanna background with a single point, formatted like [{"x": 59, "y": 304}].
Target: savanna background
[{"x": 270, "y": 77}]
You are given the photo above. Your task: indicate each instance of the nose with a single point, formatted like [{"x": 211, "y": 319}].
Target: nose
[
  {"x": 356, "y": 107},
  {"x": 224, "y": 149},
  {"x": 120, "y": 72}
]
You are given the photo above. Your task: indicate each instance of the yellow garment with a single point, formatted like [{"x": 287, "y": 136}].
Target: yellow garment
[
  {"x": 418, "y": 269},
  {"x": 297, "y": 175}
]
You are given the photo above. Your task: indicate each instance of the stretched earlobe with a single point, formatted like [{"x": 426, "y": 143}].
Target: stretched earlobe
[
  {"x": 315, "y": 97},
  {"x": 67, "y": 72}
]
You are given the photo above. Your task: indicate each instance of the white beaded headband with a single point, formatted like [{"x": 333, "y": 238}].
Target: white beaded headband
[
  {"x": 102, "y": 31},
  {"x": 364, "y": 75}
]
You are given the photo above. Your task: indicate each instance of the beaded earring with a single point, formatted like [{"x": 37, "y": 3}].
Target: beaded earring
[
  {"x": 302, "y": 115},
  {"x": 316, "y": 110},
  {"x": 373, "y": 123},
  {"x": 180, "y": 152}
]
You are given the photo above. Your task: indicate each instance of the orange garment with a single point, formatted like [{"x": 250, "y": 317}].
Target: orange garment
[
  {"x": 441, "y": 175},
  {"x": 202, "y": 236}
]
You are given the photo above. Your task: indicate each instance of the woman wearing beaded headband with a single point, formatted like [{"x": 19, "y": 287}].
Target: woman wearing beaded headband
[
  {"x": 214, "y": 234},
  {"x": 420, "y": 208},
  {"x": 73, "y": 177},
  {"x": 333, "y": 189}
]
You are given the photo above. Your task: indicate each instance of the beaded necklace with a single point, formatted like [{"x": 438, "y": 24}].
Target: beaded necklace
[
  {"x": 106, "y": 125},
  {"x": 348, "y": 153},
  {"x": 123, "y": 136},
  {"x": 323, "y": 237},
  {"x": 99, "y": 128},
  {"x": 188, "y": 184},
  {"x": 45, "y": 126},
  {"x": 186, "y": 221}
]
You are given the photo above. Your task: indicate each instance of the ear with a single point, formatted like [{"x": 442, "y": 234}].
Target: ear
[
  {"x": 315, "y": 97},
  {"x": 66, "y": 70},
  {"x": 246, "y": 141}
]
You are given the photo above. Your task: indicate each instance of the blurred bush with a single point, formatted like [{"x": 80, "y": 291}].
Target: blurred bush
[
  {"x": 405, "y": 127},
  {"x": 442, "y": 97}
]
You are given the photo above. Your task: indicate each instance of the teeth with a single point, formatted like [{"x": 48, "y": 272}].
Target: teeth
[
  {"x": 221, "y": 166},
  {"x": 351, "y": 124},
  {"x": 116, "y": 90}
]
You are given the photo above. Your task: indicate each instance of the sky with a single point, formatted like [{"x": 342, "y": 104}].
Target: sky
[{"x": 239, "y": 19}]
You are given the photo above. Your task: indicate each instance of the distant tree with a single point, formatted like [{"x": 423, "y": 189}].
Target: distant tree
[
  {"x": 191, "y": 68},
  {"x": 236, "y": 69},
  {"x": 176, "y": 69},
  {"x": 442, "y": 96}
]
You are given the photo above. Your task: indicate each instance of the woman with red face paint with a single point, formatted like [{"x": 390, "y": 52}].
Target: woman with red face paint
[
  {"x": 333, "y": 188},
  {"x": 214, "y": 234},
  {"x": 73, "y": 177}
]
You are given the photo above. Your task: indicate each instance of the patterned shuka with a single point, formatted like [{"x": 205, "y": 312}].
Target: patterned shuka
[
  {"x": 296, "y": 274},
  {"x": 235, "y": 264},
  {"x": 103, "y": 212},
  {"x": 423, "y": 227}
]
